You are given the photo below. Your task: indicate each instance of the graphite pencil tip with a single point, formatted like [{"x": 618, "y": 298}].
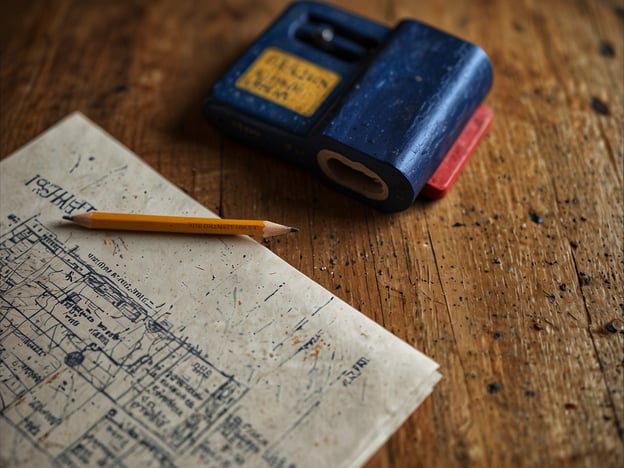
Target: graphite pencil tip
[
  {"x": 294, "y": 229},
  {"x": 68, "y": 218}
]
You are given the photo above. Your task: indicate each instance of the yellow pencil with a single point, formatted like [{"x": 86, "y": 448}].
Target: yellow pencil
[{"x": 179, "y": 224}]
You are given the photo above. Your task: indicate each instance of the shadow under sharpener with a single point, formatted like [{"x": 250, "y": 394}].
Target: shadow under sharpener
[{"x": 381, "y": 114}]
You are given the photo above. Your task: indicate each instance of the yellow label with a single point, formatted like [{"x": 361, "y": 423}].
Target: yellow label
[{"x": 289, "y": 81}]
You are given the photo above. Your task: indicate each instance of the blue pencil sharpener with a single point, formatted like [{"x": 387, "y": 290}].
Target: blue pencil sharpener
[{"x": 381, "y": 114}]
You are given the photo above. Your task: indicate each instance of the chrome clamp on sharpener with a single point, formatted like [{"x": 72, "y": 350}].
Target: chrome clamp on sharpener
[{"x": 381, "y": 114}]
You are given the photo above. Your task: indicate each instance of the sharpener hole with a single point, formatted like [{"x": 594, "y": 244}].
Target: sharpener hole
[{"x": 352, "y": 175}]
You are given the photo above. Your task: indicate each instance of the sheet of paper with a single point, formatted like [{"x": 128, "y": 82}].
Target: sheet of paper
[{"x": 135, "y": 349}]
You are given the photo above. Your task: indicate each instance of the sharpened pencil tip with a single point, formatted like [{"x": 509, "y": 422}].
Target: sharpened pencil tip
[
  {"x": 294, "y": 229},
  {"x": 68, "y": 218}
]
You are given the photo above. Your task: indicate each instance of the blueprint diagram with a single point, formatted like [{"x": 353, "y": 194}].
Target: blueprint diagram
[
  {"x": 61, "y": 346},
  {"x": 167, "y": 350}
]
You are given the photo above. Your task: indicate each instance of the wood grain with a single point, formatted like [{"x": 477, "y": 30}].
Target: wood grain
[{"x": 508, "y": 282}]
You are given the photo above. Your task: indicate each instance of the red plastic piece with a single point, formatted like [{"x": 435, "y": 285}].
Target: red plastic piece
[{"x": 460, "y": 153}]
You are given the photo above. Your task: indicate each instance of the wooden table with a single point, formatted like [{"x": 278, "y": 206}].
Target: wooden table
[{"x": 511, "y": 282}]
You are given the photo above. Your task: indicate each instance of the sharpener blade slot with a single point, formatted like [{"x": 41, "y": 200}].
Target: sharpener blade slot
[{"x": 334, "y": 38}]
